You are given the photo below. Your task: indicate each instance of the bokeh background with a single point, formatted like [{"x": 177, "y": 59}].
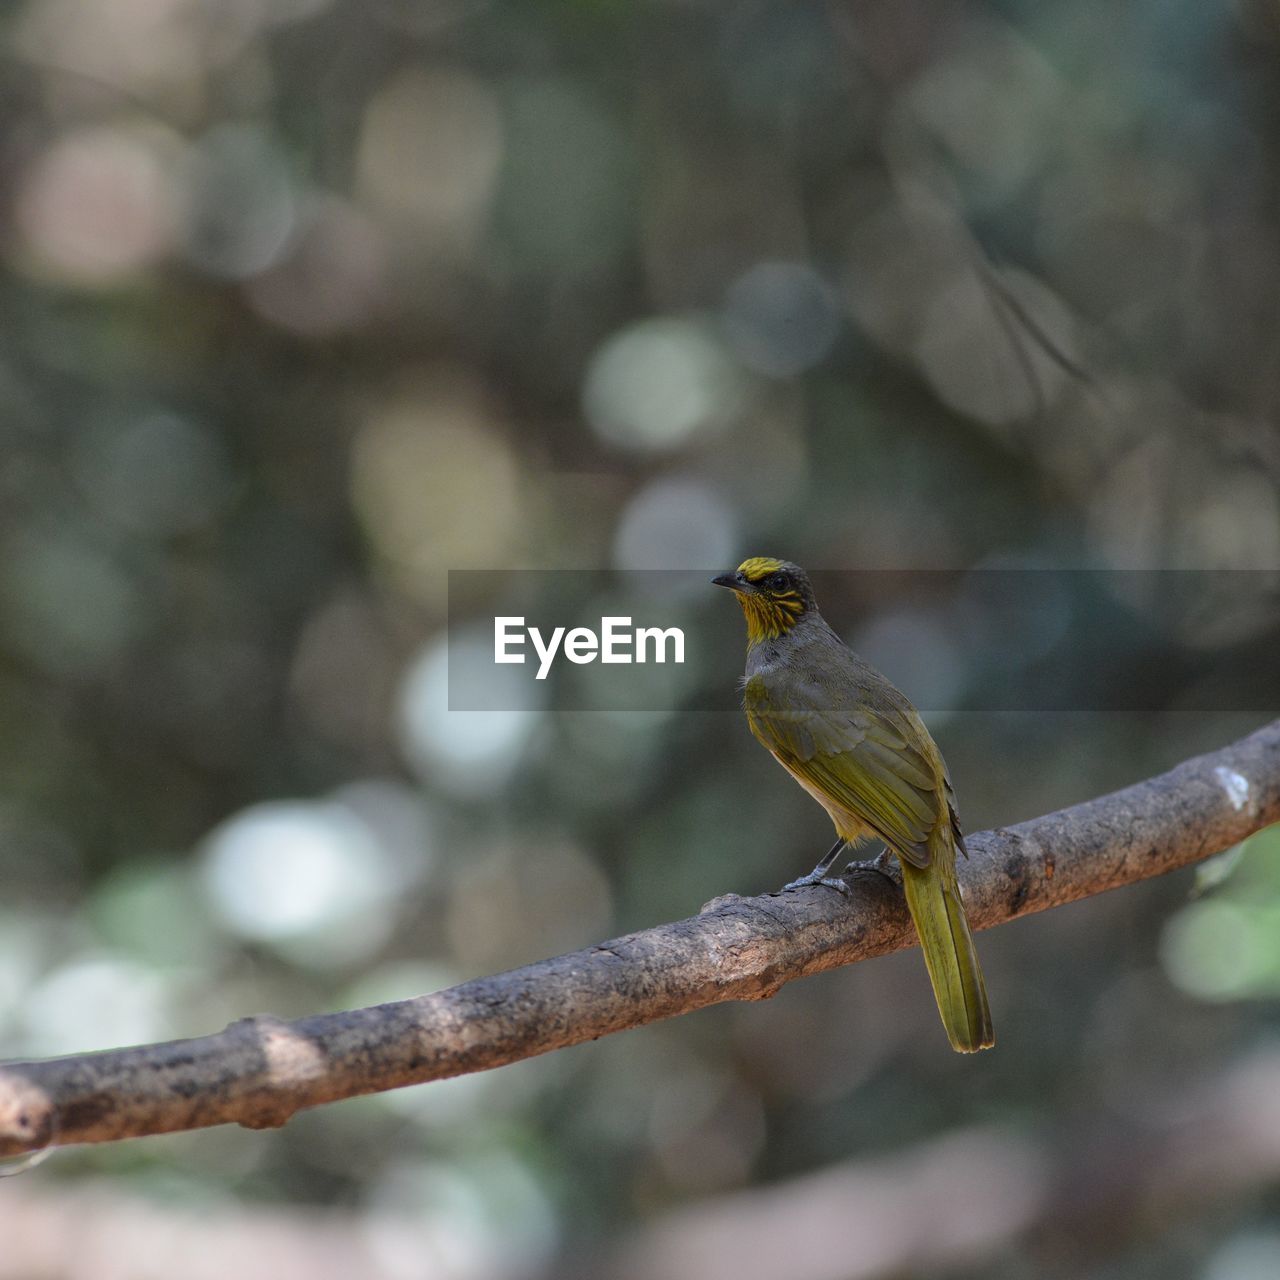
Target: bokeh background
[{"x": 306, "y": 302}]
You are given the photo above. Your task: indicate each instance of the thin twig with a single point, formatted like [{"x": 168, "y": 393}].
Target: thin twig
[{"x": 260, "y": 1071}]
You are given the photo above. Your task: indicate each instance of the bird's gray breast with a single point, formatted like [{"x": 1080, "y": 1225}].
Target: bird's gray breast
[{"x": 808, "y": 667}]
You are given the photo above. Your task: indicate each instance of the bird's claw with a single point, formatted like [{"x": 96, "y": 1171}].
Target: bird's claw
[
  {"x": 838, "y": 882},
  {"x": 881, "y": 864},
  {"x": 815, "y": 877}
]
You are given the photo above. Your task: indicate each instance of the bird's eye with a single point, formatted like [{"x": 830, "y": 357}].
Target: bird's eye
[{"x": 778, "y": 581}]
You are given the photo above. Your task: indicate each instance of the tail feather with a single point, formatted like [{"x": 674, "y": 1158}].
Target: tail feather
[{"x": 933, "y": 898}]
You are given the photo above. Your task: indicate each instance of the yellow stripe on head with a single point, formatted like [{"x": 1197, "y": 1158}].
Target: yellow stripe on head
[{"x": 760, "y": 567}]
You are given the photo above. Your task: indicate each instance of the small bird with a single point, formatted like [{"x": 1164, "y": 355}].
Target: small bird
[{"x": 858, "y": 746}]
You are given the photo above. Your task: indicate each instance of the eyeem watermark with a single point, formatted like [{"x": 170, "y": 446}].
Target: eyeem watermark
[
  {"x": 617, "y": 641},
  {"x": 990, "y": 639}
]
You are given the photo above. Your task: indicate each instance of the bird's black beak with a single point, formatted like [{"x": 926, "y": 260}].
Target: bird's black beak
[{"x": 729, "y": 580}]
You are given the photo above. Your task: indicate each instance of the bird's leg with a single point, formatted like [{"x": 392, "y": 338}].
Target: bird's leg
[{"x": 819, "y": 874}]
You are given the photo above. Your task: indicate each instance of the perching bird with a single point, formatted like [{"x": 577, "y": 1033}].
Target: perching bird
[{"x": 855, "y": 744}]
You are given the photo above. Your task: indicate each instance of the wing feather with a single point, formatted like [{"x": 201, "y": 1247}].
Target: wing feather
[{"x": 860, "y": 760}]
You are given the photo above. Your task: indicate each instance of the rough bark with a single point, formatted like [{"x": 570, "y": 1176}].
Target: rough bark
[{"x": 261, "y": 1070}]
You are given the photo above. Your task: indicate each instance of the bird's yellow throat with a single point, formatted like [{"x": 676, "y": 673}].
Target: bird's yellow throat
[{"x": 769, "y": 616}]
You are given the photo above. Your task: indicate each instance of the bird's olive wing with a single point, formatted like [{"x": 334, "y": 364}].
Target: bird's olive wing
[
  {"x": 956, "y": 833},
  {"x": 859, "y": 759}
]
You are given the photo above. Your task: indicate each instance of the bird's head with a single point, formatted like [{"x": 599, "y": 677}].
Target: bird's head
[{"x": 774, "y": 595}]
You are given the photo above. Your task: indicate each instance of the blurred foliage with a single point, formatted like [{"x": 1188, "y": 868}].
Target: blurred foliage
[{"x": 306, "y": 302}]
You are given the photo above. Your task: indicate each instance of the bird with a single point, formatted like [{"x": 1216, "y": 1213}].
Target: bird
[{"x": 856, "y": 744}]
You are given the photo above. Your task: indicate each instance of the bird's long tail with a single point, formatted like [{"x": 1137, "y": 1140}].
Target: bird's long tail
[{"x": 933, "y": 898}]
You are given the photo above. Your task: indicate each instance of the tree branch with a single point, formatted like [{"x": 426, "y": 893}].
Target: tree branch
[{"x": 259, "y": 1071}]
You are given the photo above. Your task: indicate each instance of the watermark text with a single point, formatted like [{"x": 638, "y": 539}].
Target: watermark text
[{"x": 616, "y": 641}]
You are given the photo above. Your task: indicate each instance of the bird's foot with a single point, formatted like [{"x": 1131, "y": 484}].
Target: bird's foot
[
  {"x": 818, "y": 876},
  {"x": 882, "y": 864}
]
